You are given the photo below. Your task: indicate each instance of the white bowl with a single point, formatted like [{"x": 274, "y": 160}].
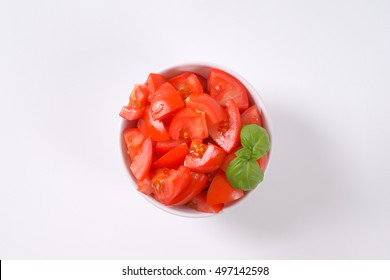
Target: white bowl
[{"x": 202, "y": 69}]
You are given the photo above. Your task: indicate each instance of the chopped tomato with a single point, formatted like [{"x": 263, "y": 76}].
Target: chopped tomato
[
  {"x": 163, "y": 147},
  {"x": 204, "y": 102},
  {"x": 186, "y": 84},
  {"x": 263, "y": 162},
  {"x": 223, "y": 87},
  {"x": 168, "y": 183},
  {"x": 145, "y": 185},
  {"x": 197, "y": 184},
  {"x": 133, "y": 138},
  {"x": 153, "y": 82},
  {"x": 189, "y": 123},
  {"x": 204, "y": 158},
  {"x": 251, "y": 116},
  {"x": 227, "y": 160},
  {"x": 143, "y": 160},
  {"x": 227, "y": 133},
  {"x": 166, "y": 100},
  {"x": 221, "y": 191},
  {"x": 138, "y": 100},
  {"x": 174, "y": 158},
  {"x": 199, "y": 203},
  {"x": 203, "y": 82},
  {"x": 152, "y": 128}
]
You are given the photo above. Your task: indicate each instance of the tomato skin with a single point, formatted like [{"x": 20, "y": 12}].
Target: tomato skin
[
  {"x": 168, "y": 183},
  {"x": 263, "y": 162},
  {"x": 227, "y": 133},
  {"x": 204, "y": 102},
  {"x": 133, "y": 139},
  {"x": 145, "y": 185},
  {"x": 186, "y": 84},
  {"x": 199, "y": 203},
  {"x": 189, "y": 123},
  {"x": 223, "y": 87},
  {"x": 152, "y": 128},
  {"x": 227, "y": 160},
  {"x": 172, "y": 159},
  {"x": 166, "y": 100},
  {"x": 221, "y": 191},
  {"x": 153, "y": 82},
  {"x": 209, "y": 161},
  {"x": 251, "y": 116},
  {"x": 197, "y": 184},
  {"x": 138, "y": 100},
  {"x": 163, "y": 147},
  {"x": 143, "y": 160}
]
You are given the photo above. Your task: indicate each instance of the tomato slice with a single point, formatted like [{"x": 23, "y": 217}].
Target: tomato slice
[
  {"x": 204, "y": 102},
  {"x": 174, "y": 158},
  {"x": 223, "y": 87},
  {"x": 153, "y": 82},
  {"x": 227, "y": 133},
  {"x": 204, "y": 158},
  {"x": 143, "y": 160},
  {"x": 197, "y": 184},
  {"x": 166, "y": 100},
  {"x": 199, "y": 203},
  {"x": 168, "y": 183},
  {"x": 138, "y": 100},
  {"x": 152, "y": 128},
  {"x": 251, "y": 116},
  {"x": 145, "y": 185},
  {"x": 162, "y": 147},
  {"x": 186, "y": 84},
  {"x": 227, "y": 160},
  {"x": 133, "y": 138},
  {"x": 189, "y": 123},
  {"x": 221, "y": 191},
  {"x": 263, "y": 162},
  {"x": 203, "y": 82}
]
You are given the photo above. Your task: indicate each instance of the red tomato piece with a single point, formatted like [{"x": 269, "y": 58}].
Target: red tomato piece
[
  {"x": 263, "y": 162},
  {"x": 204, "y": 158},
  {"x": 168, "y": 183},
  {"x": 166, "y": 100},
  {"x": 143, "y": 160},
  {"x": 145, "y": 185},
  {"x": 138, "y": 100},
  {"x": 227, "y": 160},
  {"x": 152, "y": 128},
  {"x": 251, "y": 116},
  {"x": 227, "y": 133},
  {"x": 221, "y": 191},
  {"x": 197, "y": 184},
  {"x": 133, "y": 138},
  {"x": 223, "y": 87},
  {"x": 174, "y": 158},
  {"x": 162, "y": 147},
  {"x": 153, "y": 82},
  {"x": 189, "y": 123},
  {"x": 204, "y": 102},
  {"x": 203, "y": 82},
  {"x": 199, "y": 203},
  {"x": 186, "y": 84}
]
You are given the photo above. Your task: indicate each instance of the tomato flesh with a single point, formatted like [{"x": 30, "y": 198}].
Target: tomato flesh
[
  {"x": 204, "y": 158},
  {"x": 223, "y": 87},
  {"x": 152, "y": 128},
  {"x": 143, "y": 160},
  {"x": 153, "y": 82},
  {"x": 204, "y": 102},
  {"x": 251, "y": 116},
  {"x": 133, "y": 138},
  {"x": 174, "y": 158},
  {"x": 166, "y": 100},
  {"x": 221, "y": 191},
  {"x": 189, "y": 123},
  {"x": 162, "y": 147},
  {"x": 263, "y": 162},
  {"x": 145, "y": 185},
  {"x": 186, "y": 84},
  {"x": 138, "y": 100},
  {"x": 199, "y": 203},
  {"x": 197, "y": 184}
]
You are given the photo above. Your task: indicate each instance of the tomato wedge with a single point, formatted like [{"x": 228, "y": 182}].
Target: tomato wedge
[
  {"x": 227, "y": 160},
  {"x": 263, "y": 162},
  {"x": 227, "y": 133},
  {"x": 223, "y": 87},
  {"x": 166, "y": 100},
  {"x": 221, "y": 191},
  {"x": 152, "y": 128},
  {"x": 143, "y": 160},
  {"x": 189, "y": 123},
  {"x": 168, "y": 183},
  {"x": 251, "y": 116},
  {"x": 204, "y": 102},
  {"x": 186, "y": 84},
  {"x": 162, "y": 147},
  {"x": 153, "y": 82},
  {"x": 145, "y": 185},
  {"x": 138, "y": 100},
  {"x": 199, "y": 203},
  {"x": 197, "y": 184},
  {"x": 174, "y": 158},
  {"x": 133, "y": 138},
  {"x": 204, "y": 158}
]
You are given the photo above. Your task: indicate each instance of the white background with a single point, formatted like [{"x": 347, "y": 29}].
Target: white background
[{"x": 67, "y": 67}]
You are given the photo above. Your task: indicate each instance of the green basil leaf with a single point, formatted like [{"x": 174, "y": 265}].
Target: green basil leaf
[
  {"x": 244, "y": 174},
  {"x": 244, "y": 153},
  {"x": 256, "y": 139}
]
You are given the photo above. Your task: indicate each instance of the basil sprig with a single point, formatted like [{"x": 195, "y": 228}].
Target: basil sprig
[{"x": 243, "y": 172}]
